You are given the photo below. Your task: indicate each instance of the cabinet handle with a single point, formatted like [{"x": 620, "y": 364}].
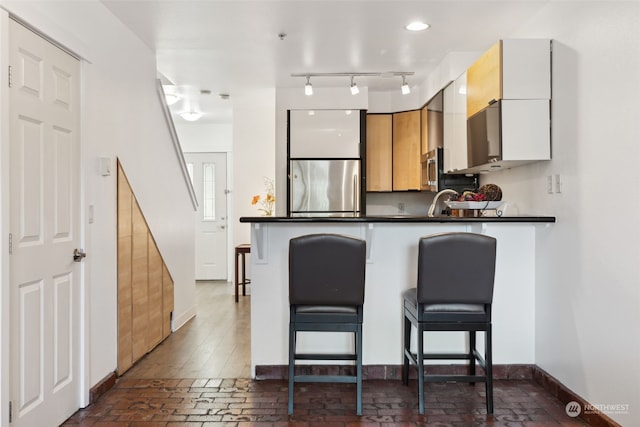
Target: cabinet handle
[{"x": 493, "y": 101}]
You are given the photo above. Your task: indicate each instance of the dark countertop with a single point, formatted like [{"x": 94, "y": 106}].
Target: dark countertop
[{"x": 397, "y": 219}]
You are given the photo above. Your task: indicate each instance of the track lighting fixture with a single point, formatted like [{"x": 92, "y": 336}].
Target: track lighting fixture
[
  {"x": 308, "y": 89},
  {"x": 405, "y": 87},
  {"x": 354, "y": 87}
]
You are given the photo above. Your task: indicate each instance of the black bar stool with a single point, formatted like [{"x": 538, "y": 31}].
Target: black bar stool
[
  {"x": 326, "y": 293},
  {"x": 455, "y": 289},
  {"x": 241, "y": 251}
]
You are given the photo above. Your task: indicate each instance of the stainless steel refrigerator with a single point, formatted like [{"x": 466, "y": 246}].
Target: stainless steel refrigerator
[
  {"x": 325, "y": 167},
  {"x": 325, "y": 187}
]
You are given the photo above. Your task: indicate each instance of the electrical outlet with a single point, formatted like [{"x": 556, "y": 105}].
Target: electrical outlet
[
  {"x": 401, "y": 207},
  {"x": 550, "y": 184},
  {"x": 558, "y": 184}
]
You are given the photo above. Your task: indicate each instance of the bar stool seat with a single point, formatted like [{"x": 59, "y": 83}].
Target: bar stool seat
[{"x": 241, "y": 251}]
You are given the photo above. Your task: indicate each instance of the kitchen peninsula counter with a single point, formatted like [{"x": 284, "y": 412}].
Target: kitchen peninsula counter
[
  {"x": 392, "y": 251},
  {"x": 398, "y": 218}
]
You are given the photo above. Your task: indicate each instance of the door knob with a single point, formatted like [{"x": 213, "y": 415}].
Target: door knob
[{"x": 78, "y": 255}]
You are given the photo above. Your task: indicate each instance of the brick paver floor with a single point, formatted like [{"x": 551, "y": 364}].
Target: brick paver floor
[{"x": 243, "y": 402}]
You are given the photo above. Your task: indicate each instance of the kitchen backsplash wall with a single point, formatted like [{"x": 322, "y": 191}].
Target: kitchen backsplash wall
[{"x": 399, "y": 203}]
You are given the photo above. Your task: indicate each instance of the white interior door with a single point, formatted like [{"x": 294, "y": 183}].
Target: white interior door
[
  {"x": 209, "y": 176},
  {"x": 45, "y": 228}
]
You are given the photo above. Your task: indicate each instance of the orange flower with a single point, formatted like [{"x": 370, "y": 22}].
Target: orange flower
[{"x": 266, "y": 204}]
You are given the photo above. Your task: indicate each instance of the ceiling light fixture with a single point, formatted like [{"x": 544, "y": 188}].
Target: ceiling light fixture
[
  {"x": 308, "y": 89},
  {"x": 405, "y": 87},
  {"x": 354, "y": 87},
  {"x": 191, "y": 116},
  {"x": 417, "y": 26},
  {"x": 171, "y": 98}
]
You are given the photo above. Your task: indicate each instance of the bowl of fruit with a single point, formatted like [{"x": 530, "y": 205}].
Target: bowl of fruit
[{"x": 489, "y": 196}]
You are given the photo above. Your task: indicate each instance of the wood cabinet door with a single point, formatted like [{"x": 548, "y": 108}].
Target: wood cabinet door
[
  {"x": 484, "y": 80},
  {"x": 145, "y": 287},
  {"x": 379, "y": 153},
  {"x": 424, "y": 131},
  {"x": 406, "y": 150}
]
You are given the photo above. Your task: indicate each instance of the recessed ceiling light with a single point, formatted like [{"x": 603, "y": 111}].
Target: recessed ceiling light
[
  {"x": 191, "y": 116},
  {"x": 417, "y": 26}
]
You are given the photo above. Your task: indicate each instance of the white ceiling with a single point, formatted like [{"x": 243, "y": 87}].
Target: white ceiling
[{"x": 233, "y": 46}]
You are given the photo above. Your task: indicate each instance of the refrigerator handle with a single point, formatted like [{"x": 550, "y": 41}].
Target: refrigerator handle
[{"x": 356, "y": 199}]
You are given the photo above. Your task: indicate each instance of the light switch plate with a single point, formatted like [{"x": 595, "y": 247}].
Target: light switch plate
[
  {"x": 558, "y": 184},
  {"x": 105, "y": 166}
]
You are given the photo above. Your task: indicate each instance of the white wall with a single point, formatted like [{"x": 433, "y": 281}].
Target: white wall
[
  {"x": 208, "y": 137},
  {"x": 121, "y": 118},
  {"x": 254, "y": 156},
  {"x": 588, "y": 282}
]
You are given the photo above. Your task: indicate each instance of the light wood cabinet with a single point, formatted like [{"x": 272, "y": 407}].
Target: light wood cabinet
[
  {"x": 379, "y": 152},
  {"x": 394, "y": 146},
  {"x": 145, "y": 287},
  {"x": 424, "y": 130},
  {"x": 484, "y": 79},
  {"x": 406, "y": 150},
  {"x": 510, "y": 69}
]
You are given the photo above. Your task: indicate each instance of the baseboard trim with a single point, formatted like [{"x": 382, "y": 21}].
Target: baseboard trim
[
  {"x": 180, "y": 320},
  {"x": 588, "y": 413},
  {"x": 389, "y": 372},
  {"x": 102, "y": 387}
]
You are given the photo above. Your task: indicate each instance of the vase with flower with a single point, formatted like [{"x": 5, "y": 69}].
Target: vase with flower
[{"x": 266, "y": 204}]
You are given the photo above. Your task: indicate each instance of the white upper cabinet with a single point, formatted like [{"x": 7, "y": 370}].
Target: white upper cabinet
[
  {"x": 512, "y": 132},
  {"x": 324, "y": 134},
  {"x": 510, "y": 69},
  {"x": 455, "y": 125},
  {"x": 508, "y": 106},
  {"x": 526, "y": 69}
]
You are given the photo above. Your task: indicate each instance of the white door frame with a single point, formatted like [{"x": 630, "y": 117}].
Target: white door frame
[{"x": 84, "y": 356}]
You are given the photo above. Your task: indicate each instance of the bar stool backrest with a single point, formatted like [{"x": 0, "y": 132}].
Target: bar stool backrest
[
  {"x": 326, "y": 269},
  {"x": 456, "y": 268}
]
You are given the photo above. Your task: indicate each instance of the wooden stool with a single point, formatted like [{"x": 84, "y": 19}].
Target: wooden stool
[{"x": 242, "y": 250}]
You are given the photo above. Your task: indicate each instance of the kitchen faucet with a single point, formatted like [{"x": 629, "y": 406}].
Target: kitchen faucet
[{"x": 432, "y": 208}]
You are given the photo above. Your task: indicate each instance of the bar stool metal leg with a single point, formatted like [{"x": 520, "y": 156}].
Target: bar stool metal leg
[
  {"x": 237, "y": 253},
  {"x": 241, "y": 251}
]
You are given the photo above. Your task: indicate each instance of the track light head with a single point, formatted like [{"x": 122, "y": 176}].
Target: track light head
[
  {"x": 405, "y": 87},
  {"x": 354, "y": 87},
  {"x": 308, "y": 89}
]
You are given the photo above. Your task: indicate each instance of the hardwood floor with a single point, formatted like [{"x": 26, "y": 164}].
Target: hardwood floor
[{"x": 216, "y": 343}]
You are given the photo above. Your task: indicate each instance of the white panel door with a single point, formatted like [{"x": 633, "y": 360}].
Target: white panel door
[
  {"x": 45, "y": 280},
  {"x": 209, "y": 176}
]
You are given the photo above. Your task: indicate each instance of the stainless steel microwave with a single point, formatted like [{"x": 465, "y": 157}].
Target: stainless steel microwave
[
  {"x": 433, "y": 178},
  {"x": 430, "y": 170}
]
